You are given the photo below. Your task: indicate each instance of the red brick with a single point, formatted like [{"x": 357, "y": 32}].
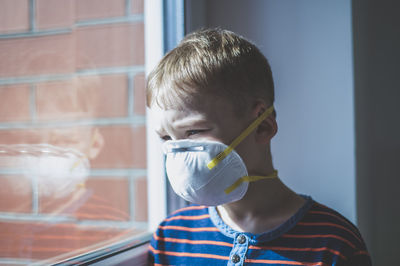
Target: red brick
[
  {"x": 38, "y": 55},
  {"x": 137, "y": 34},
  {"x": 14, "y": 16},
  {"x": 99, "y": 199},
  {"x": 83, "y": 97},
  {"x": 111, "y": 45},
  {"x": 137, "y": 6},
  {"x": 139, "y": 95},
  {"x": 63, "y": 100},
  {"x": 19, "y": 136},
  {"x": 141, "y": 200},
  {"x": 124, "y": 147},
  {"x": 55, "y": 13},
  {"x": 15, "y": 194},
  {"x": 14, "y": 103},
  {"x": 92, "y": 9}
]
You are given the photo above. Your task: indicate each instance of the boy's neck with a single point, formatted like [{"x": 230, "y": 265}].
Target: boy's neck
[{"x": 266, "y": 205}]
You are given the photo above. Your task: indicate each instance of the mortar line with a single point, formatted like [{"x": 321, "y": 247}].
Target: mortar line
[
  {"x": 136, "y": 121},
  {"x": 131, "y": 95},
  {"x": 132, "y": 173},
  {"x": 124, "y": 19},
  {"x": 132, "y": 198},
  {"x": 32, "y": 104},
  {"x": 128, "y": 7},
  {"x": 93, "y": 174},
  {"x": 54, "y": 219},
  {"x": 14, "y": 261},
  {"x": 32, "y": 15},
  {"x": 35, "y": 195},
  {"x": 36, "y": 33},
  {"x": 59, "y": 77}
]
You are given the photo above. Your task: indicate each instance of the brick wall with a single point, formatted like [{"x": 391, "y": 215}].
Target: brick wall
[{"x": 71, "y": 75}]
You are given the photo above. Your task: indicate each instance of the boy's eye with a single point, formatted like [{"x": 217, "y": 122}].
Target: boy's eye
[
  {"x": 195, "y": 131},
  {"x": 165, "y": 138}
]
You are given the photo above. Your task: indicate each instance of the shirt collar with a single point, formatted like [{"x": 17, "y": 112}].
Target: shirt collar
[{"x": 266, "y": 236}]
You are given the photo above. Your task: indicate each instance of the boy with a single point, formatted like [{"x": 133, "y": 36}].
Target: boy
[{"x": 215, "y": 96}]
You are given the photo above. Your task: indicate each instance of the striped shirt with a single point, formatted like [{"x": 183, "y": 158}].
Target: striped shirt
[{"x": 315, "y": 235}]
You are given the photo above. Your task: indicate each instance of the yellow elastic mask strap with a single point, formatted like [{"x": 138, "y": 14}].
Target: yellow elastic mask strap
[
  {"x": 214, "y": 162},
  {"x": 249, "y": 179}
]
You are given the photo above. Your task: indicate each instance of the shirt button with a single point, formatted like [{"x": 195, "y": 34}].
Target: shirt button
[
  {"x": 235, "y": 258},
  {"x": 241, "y": 239}
]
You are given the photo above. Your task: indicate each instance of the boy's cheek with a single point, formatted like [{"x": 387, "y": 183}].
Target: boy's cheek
[{"x": 248, "y": 152}]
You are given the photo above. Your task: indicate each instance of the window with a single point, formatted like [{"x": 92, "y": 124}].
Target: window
[{"x": 73, "y": 155}]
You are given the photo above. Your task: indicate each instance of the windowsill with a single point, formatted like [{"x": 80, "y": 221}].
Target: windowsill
[{"x": 109, "y": 253}]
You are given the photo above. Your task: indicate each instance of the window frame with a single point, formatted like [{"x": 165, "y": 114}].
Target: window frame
[{"x": 174, "y": 30}]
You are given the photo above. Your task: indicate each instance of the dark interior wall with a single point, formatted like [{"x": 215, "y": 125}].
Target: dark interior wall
[
  {"x": 309, "y": 46},
  {"x": 376, "y": 38}
]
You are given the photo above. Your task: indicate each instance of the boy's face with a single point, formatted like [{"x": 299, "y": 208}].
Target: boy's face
[{"x": 214, "y": 120}]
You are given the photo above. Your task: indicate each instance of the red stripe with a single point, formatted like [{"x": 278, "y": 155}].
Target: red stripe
[
  {"x": 361, "y": 252},
  {"x": 189, "y": 229},
  {"x": 194, "y": 242},
  {"x": 189, "y": 208},
  {"x": 284, "y": 262},
  {"x": 333, "y": 215},
  {"x": 335, "y": 252},
  {"x": 183, "y": 217},
  {"x": 331, "y": 224},
  {"x": 312, "y": 236},
  {"x": 186, "y": 254}
]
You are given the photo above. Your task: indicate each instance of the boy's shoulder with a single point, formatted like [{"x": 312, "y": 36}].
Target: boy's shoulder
[
  {"x": 324, "y": 225},
  {"x": 322, "y": 218}
]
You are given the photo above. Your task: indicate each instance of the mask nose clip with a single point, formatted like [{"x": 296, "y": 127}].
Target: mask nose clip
[{"x": 184, "y": 149}]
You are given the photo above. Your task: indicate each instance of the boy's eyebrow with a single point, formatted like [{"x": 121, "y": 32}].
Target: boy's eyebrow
[
  {"x": 189, "y": 122},
  {"x": 159, "y": 132}
]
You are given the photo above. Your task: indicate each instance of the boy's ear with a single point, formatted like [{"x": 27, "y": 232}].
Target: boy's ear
[{"x": 268, "y": 127}]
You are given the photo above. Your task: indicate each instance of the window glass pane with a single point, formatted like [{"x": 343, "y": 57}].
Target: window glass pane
[{"x": 72, "y": 127}]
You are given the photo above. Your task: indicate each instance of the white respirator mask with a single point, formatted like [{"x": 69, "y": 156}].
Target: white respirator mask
[{"x": 209, "y": 172}]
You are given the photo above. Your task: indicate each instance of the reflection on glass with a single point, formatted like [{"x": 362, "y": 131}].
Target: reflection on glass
[
  {"x": 56, "y": 171},
  {"x": 56, "y": 211},
  {"x": 72, "y": 128}
]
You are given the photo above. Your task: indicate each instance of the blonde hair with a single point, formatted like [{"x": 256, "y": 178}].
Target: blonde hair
[{"x": 211, "y": 62}]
